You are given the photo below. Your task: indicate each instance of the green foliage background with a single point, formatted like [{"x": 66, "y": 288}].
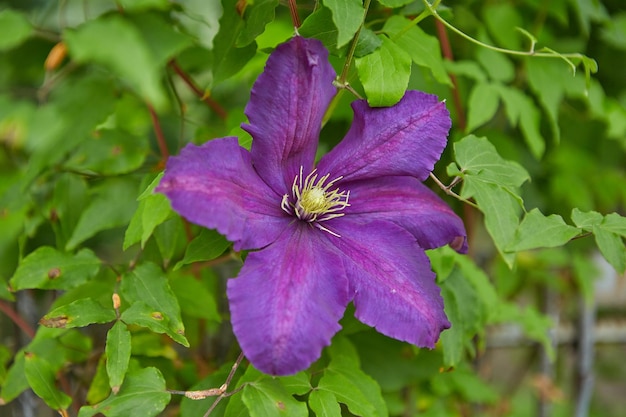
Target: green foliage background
[{"x": 110, "y": 302}]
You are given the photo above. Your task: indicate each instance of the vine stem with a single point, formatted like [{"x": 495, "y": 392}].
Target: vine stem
[
  {"x": 550, "y": 54},
  {"x": 165, "y": 153},
  {"x": 341, "y": 81}
]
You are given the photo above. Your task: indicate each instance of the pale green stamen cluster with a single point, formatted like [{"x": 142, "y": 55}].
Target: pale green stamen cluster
[{"x": 314, "y": 200}]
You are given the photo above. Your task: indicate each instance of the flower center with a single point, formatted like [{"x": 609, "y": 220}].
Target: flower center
[{"x": 314, "y": 200}]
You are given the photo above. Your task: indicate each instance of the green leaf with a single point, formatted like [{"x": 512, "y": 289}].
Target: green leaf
[
  {"x": 15, "y": 381},
  {"x": 79, "y": 313},
  {"x": 347, "y": 17},
  {"x": 493, "y": 182},
  {"x": 324, "y": 404},
  {"x": 256, "y": 15},
  {"x": 608, "y": 232},
  {"x": 131, "y": 59},
  {"x": 48, "y": 268},
  {"x": 141, "y": 314},
  {"x": 484, "y": 101},
  {"x": 267, "y": 398},
  {"x": 209, "y": 244},
  {"x": 394, "y": 3},
  {"x": 298, "y": 384},
  {"x": 154, "y": 209},
  {"x": 538, "y": 231},
  {"x": 478, "y": 158},
  {"x": 142, "y": 5},
  {"x": 15, "y": 29},
  {"x": 349, "y": 384},
  {"x": 193, "y": 297},
  {"x": 424, "y": 49},
  {"x": 496, "y": 64},
  {"x": 163, "y": 40},
  {"x": 502, "y": 19},
  {"x": 316, "y": 26},
  {"x": 101, "y": 215},
  {"x": 367, "y": 43},
  {"x": 522, "y": 112},
  {"x": 143, "y": 394},
  {"x": 227, "y": 58},
  {"x": 147, "y": 284},
  {"x": 384, "y": 74},
  {"x": 99, "y": 387},
  {"x": 41, "y": 378},
  {"x": 117, "y": 354},
  {"x": 612, "y": 247},
  {"x": 615, "y": 223},
  {"x": 466, "y": 314},
  {"x": 110, "y": 152}
]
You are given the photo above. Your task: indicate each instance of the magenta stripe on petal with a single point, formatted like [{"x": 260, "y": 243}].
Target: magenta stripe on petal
[
  {"x": 285, "y": 110},
  {"x": 390, "y": 278},
  {"x": 215, "y": 186},
  {"x": 406, "y": 139},
  {"x": 287, "y": 300},
  {"x": 410, "y": 204}
]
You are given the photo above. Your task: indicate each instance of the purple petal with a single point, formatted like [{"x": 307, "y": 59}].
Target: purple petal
[
  {"x": 394, "y": 288},
  {"x": 215, "y": 186},
  {"x": 285, "y": 111},
  {"x": 405, "y": 139},
  {"x": 410, "y": 204},
  {"x": 287, "y": 301}
]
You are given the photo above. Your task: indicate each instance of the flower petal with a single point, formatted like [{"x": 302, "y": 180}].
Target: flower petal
[
  {"x": 215, "y": 186},
  {"x": 285, "y": 111},
  {"x": 287, "y": 301},
  {"x": 390, "y": 277},
  {"x": 405, "y": 139},
  {"x": 410, "y": 204}
]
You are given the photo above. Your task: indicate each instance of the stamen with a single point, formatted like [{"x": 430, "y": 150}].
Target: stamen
[{"x": 314, "y": 200}]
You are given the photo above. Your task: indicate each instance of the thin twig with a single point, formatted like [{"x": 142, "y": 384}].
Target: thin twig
[
  {"x": 448, "y": 190},
  {"x": 165, "y": 154},
  {"x": 294, "y": 14},
  {"x": 214, "y": 105},
  {"x": 446, "y": 50},
  {"x": 219, "y": 393},
  {"x": 17, "y": 319}
]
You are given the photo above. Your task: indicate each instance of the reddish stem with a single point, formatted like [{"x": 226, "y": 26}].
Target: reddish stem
[
  {"x": 165, "y": 153},
  {"x": 447, "y": 54},
  {"x": 294, "y": 14},
  {"x": 219, "y": 110},
  {"x": 17, "y": 319}
]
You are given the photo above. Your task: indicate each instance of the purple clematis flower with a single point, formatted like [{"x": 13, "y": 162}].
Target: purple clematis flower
[{"x": 351, "y": 229}]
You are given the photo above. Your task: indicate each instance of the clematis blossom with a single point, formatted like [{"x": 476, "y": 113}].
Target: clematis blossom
[{"x": 353, "y": 228}]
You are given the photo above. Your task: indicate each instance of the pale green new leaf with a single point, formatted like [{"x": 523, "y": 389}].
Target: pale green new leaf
[
  {"x": 384, "y": 74},
  {"x": 117, "y": 354},
  {"x": 538, "y": 231}
]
